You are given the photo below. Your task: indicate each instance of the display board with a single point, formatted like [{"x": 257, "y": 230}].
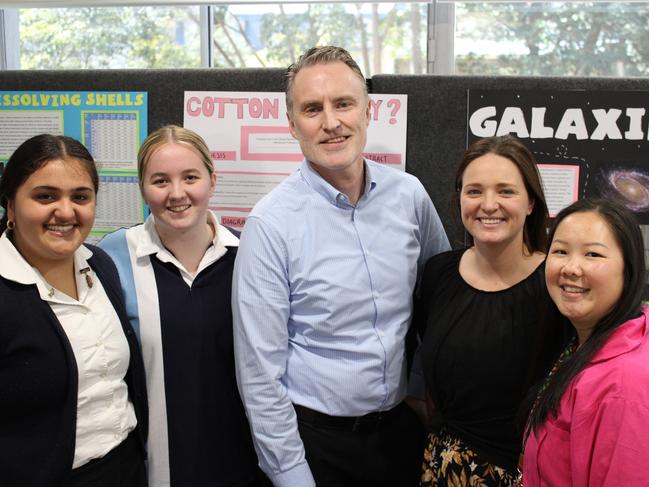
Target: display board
[{"x": 436, "y": 112}]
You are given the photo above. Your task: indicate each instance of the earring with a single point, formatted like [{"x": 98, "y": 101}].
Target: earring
[{"x": 11, "y": 224}]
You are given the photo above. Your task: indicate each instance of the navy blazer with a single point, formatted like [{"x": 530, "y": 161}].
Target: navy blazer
[{"x": 39, "y": 381}]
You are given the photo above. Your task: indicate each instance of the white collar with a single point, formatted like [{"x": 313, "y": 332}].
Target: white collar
[
  {"x": 14, "y": 267},
  {"x": 148, "y": 243}
]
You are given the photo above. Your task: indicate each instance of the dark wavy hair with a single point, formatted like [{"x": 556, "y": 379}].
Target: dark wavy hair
[
  {"x": 33, "y": 154},
  {"x": 535, "y": 229},
  {"x": 628, "y": 236}
]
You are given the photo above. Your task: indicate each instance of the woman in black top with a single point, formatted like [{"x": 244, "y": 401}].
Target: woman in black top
[{"x": 480, "y": 308}]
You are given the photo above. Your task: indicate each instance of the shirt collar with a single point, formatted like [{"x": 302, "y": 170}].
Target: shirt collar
[
  {"x": 625, "y": 338},
  {"x": 150, "y": 242},
  {"x": 331, "y": 194},
  {"x": 223, "y": 235},
  {"x": 14, "y": 267}
]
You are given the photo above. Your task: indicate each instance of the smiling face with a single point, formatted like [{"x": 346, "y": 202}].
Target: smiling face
[
  {"x": 53, "y": 211},
  {"x": 493, "y": 201},
  {"x": 584, "y": 270},
  {"x": 329, "y": 118},
  {"x": 177, "y": 187}
]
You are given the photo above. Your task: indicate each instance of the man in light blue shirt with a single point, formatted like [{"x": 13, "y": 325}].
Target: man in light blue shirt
[{"x": 322, "y": 295}]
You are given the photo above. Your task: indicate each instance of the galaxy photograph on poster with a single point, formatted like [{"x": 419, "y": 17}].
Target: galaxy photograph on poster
[{"x": 627, "y": 184}]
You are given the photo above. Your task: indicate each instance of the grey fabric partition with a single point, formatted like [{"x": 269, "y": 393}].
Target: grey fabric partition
[{"x": 436, "y": 107}]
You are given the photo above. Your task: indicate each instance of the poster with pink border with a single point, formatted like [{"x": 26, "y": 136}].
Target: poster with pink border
[{"x": 253, "y": 151}]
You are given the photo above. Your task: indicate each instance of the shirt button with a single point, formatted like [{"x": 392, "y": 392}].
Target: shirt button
[
  {"x": 376, "y": 295},
  {"x": 103, "y": 375}
]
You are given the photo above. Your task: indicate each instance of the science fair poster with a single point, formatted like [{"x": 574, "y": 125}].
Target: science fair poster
[{"x": 587, "y": 143}]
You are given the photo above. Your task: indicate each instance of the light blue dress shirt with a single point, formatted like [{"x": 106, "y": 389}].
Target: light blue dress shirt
[{"x": 322, "y": 301}]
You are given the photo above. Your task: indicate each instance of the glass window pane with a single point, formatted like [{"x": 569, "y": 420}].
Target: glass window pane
[
  {"x": 382, "y": 37},
  {"x": 552, "y": 38},
  {"x": 103, "y": 37}
]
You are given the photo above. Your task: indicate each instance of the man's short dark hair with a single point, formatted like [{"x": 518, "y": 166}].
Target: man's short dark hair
[{"x": 320, "y": 55}]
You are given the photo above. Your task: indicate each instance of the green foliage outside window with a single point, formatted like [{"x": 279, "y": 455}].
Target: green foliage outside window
[
  {"x": 503, "y": 38},
  {"x": 137, "y": 37},
  {"x": 558, "y": 38}
]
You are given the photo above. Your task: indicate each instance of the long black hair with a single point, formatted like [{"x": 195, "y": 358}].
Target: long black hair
[
  {"x": 626, "y": 231},
  {"x": 33, "y": 154}
]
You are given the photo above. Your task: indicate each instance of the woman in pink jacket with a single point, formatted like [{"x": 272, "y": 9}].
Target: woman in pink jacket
[{"x": 590, "y": 422}]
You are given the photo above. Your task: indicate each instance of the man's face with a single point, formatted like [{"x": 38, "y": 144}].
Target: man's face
[{"x": 329, "y": 118}]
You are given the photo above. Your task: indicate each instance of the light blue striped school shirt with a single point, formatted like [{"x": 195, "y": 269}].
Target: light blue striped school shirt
[{"x": 322, "y": 301}]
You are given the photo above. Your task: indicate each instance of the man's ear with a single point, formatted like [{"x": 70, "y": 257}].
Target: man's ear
[
  {"x": 367, "y": 112},
  {"x": 291, "y": 125}
]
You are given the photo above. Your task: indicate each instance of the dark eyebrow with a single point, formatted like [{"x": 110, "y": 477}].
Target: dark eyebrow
[
  {"x": 587, "y": 244},
  {"x": 45, "y": 188},
  {"x": 54, "y": 188},
  {"x": 498, "y": 185},
  {"x": 309, "y": 103}
]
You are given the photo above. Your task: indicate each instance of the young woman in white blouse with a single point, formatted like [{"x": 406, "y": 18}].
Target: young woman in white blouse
[{"x": 73, "y": 407}]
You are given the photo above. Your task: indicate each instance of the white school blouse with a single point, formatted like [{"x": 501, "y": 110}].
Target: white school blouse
[{"x": 105, "y": 415}]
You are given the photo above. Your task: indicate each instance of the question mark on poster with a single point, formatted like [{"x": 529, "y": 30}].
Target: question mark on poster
[{"x": 395, "y": 105}]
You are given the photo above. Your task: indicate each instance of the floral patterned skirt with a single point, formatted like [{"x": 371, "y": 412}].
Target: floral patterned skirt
[{"x": 449, "y": 462}]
